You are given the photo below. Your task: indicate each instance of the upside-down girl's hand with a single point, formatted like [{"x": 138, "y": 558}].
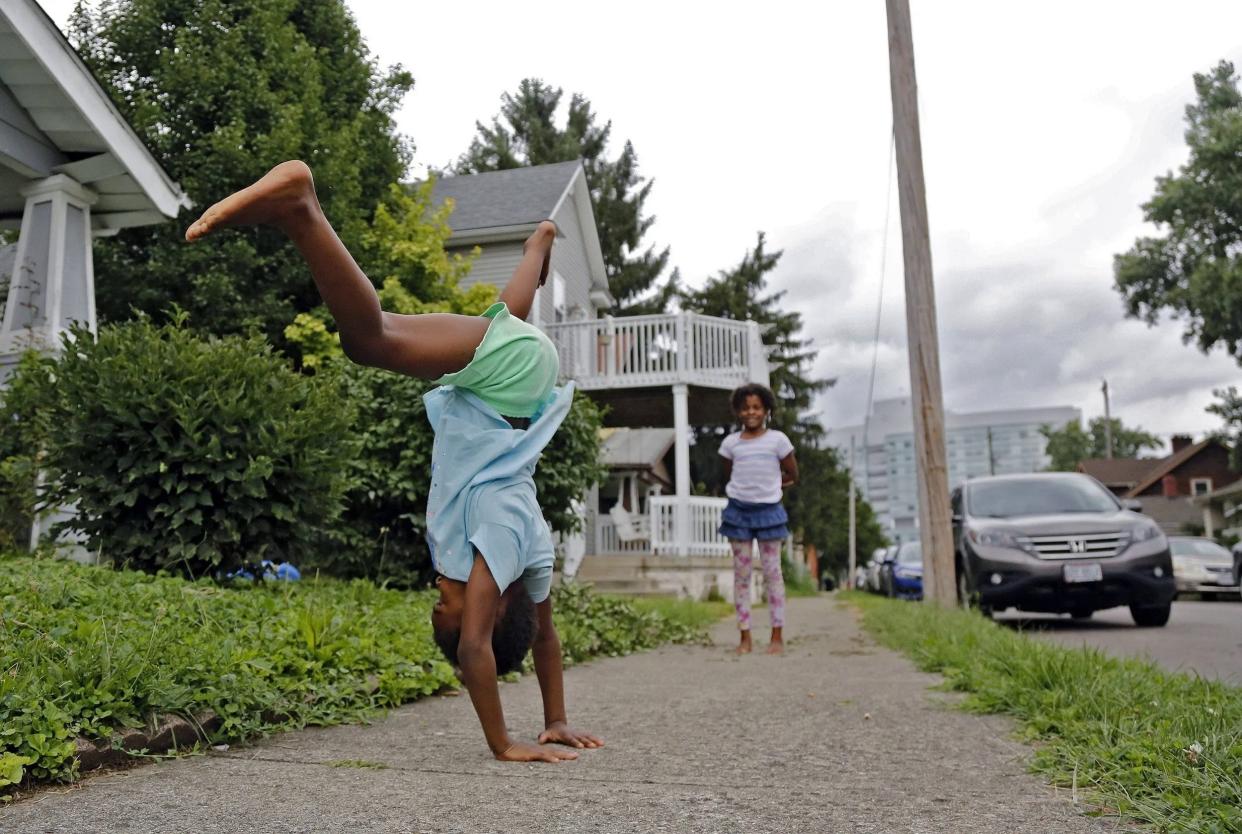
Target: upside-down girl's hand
[
  {"x": 562, "y": 733},
  {"x": 521, "y": 751}
]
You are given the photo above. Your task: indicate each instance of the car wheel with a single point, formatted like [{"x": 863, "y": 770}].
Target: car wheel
[
  {"x": 967, "y": 598},
  {"x": 1082, "y": 613},
  {"x": 1149, "y": 616}
]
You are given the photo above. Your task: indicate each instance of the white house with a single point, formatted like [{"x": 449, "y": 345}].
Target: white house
[
  {"x": 663, "y": 371},
  {"x": 71, "y": 169}
]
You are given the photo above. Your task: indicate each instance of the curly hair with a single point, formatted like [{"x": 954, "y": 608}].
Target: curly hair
[
  {"x": 752, "y": 389},
  {"x": 511, "y": 636}
]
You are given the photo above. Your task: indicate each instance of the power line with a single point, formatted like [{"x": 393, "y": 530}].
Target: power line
[{"x": 879, "y": 308}]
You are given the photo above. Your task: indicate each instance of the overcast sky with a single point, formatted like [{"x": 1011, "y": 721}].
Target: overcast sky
[{"x": 1043, "y": 125}]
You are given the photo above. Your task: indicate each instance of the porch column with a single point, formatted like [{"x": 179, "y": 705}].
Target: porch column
[
  {"x": 52, "y": 287},
  {"x": 757, "y": 354},
  {"x": 53, "y": 281},
  {"x": 681, "y": 454},
  {"x": 1207, "y": 521}
]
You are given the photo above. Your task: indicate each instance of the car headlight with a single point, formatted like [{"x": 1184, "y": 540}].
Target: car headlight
[
  {"x": 1147, "y": 532},
  {"x": 994, "y": 538}
]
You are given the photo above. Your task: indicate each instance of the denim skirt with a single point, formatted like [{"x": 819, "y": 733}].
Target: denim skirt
[{"x": 745, "y": 521}]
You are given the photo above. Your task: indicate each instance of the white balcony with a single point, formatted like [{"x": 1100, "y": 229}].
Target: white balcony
[
  {"x": 660, "y": 350},
  {"x": 664, "y": 370}
]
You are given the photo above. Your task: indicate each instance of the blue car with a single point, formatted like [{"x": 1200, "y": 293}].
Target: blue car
[{"x": 905, "y": 573}]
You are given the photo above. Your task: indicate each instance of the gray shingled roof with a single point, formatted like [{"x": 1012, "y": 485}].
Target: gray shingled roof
[{"x": 513, "y": 197}]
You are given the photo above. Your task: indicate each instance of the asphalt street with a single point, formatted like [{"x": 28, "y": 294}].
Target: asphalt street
[{"x": 1203, "y": 638}]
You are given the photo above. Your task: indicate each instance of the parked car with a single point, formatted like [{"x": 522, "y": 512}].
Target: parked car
[
  {"x": 902, "y": 576},
  {"x": 876, "y": 566},
  {"x": 1058, "y": 543},
  {"x": 1201, "y": 566}
]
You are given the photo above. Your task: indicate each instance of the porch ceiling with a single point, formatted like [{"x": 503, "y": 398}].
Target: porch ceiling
[
  {"x": 55, "y": 118},
  {"x": 638, "y": 407}
]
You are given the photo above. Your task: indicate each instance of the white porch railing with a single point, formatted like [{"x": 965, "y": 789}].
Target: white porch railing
[
  {"x": 608, "y": 543},
  {"x": 636, "y": 351},
  {"x": 702, "y": 522}
]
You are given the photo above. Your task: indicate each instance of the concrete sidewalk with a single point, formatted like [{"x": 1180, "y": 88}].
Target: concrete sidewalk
[{"x": 698, "y": 741}]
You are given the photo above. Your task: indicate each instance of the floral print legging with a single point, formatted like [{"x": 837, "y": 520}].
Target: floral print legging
[{"x": 743, "y": 557}]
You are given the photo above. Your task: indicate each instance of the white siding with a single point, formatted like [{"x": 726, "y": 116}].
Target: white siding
[
  {"x": 496, "y": 262},
  {"x": 569, "y": 258},
  {"x": 494, "y": 265}
]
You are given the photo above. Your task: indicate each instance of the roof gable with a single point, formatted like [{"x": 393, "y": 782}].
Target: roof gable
[
  {"x": 1172, "y": 462},
  {"x": 496, "y": 200}
]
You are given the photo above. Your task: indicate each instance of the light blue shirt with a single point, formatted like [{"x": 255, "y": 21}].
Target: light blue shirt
[{"x": 483, "y": 490}]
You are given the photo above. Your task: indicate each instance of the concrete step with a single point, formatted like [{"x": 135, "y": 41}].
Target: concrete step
[{"x": 631, "y": 588}]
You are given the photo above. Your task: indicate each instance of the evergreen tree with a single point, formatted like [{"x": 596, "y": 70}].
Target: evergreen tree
[
  {"x": 220, "y": 91},
  {"x": 525, "y": 133}
]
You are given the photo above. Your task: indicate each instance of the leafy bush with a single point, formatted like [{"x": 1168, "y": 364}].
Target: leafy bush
[
  {"x": 190, "y": 454},
  {"x": 88, "y": 650},
  {"x": 23, "y": 432}
]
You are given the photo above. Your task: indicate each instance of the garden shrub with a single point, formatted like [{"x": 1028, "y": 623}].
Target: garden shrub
[{"x": 191, "y": 454}]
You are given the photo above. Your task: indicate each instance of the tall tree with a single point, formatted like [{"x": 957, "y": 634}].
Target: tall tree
[
  {"x": 220, "y": 91},
  {"x": 818, "y": 505},
  {"x": 526, "y": 133},
  {"x": 1194, "y": 270},
  {"x": 1070, "y": 445}
]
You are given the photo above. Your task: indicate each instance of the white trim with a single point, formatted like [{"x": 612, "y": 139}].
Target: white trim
[
  {"x": 49, "y": 48},
  {"x": 1200, "y": 481}
]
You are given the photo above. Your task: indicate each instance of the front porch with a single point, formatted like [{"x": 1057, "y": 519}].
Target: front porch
[{"x": 674, "y": 370}]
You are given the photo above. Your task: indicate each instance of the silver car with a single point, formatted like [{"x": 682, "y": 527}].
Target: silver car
[
  {"x": 1058, "y": 543},
  {"x": 1201, "y": 566}
]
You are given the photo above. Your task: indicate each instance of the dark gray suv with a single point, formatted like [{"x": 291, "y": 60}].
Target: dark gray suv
[{"x": 1058, "y": 543}]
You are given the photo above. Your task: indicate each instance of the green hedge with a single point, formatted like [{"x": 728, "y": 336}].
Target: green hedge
[
  {"x": 88, "y": 650},
  {"x": 188, "y": 454}
]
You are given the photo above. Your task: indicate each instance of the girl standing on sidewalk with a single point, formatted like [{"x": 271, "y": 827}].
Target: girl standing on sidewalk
[{"x": 759, "y": 464}]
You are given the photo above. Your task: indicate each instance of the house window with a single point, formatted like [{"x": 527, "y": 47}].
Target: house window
[
  {"x": 558, "y": 297},
  {"x": 1200, "y": 486}
]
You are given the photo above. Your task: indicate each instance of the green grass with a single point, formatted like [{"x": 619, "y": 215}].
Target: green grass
[
  {"x": 690, "y": 614},
  {"x": 85, "y": 651},
  {"x": 1130, "y": 738}
]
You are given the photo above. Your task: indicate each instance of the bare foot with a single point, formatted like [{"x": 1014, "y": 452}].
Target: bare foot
[
  {"x": 544, "y": 235},
  {"x": 745, "y": 646},
  {"x": 282, "y": 191},
  {"x": 777, "y": 643}
]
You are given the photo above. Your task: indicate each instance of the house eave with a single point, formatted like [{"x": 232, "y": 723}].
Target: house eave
[{"x": 491, "y": 234}]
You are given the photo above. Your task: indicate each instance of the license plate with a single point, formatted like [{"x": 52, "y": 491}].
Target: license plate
[{"x": 1083, "y": 573}]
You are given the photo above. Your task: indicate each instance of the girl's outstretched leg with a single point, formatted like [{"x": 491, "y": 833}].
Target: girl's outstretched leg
[
  {"x": 774, "y": 580},
  {"x": 424, "y": 346},
  {"x": 742, "y": 556}
]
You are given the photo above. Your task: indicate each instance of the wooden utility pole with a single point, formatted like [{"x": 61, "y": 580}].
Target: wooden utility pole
[{"x": 935, "y": 525}]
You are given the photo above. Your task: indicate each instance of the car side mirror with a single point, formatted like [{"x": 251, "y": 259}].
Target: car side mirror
[{"x": 1132, "y": 504}]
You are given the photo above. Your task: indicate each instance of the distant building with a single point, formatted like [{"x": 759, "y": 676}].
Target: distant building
[
  {"x": 1166, "y": 487},
  {"x": 979, "y": 443}
]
